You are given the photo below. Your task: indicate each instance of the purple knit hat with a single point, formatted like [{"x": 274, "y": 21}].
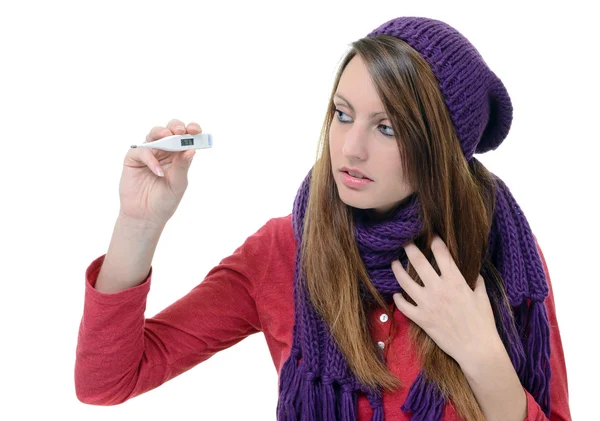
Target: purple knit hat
[
  {"x": 315, "y": 381},
  {"x": 479, "y": 104}
]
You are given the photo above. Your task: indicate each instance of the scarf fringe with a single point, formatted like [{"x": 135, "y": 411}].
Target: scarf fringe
[
  {"x": 286, "y": 404},
  {"x": 377, "y": 413},
  {"x": 329, "y": 402},
  {"x": 339, "y": 402},
  {"x": 424, "y": 401},
  {"x": 516, "y": 348},
  {"x": 348, "y": 404},
  {"x": 309, "y": 410},
  {"x": 376, "y": 401},
  {"x": 537, "y": 381}
]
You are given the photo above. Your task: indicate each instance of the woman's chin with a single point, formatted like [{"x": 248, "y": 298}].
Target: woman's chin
[{"x": 359, "y": 203}]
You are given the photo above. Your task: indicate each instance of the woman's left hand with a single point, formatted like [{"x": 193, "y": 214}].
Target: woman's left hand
[{"x": 459, "y": 320}]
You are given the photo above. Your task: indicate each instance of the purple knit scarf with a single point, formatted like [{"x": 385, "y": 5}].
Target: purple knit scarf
[{"x": 316, "y": 382}]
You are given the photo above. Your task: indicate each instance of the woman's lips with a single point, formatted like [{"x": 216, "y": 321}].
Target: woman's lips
[{"x": 354, "y": 182}]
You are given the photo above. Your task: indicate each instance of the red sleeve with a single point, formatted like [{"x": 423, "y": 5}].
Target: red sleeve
[
  {"x": 120, "y": 354},
  {"x": 559, "y": 390}
]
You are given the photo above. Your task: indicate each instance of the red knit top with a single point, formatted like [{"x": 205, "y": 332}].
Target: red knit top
[{"x": 121, "y": 354}]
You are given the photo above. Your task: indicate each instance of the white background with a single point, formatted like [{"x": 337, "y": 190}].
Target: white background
[{"x": 81, "y": 81}]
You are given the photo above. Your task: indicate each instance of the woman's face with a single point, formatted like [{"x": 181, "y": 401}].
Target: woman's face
[{"x": 361, "y": 138}]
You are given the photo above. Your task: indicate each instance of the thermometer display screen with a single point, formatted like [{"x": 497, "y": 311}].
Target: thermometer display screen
[{"x": 187, "y": 141}]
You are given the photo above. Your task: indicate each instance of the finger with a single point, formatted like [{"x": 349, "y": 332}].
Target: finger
[
  {"x": 443, "y": 257},
  {"x": 194, "y": 128},
  {"x": 409, "y": 310},
  {"x": 157, "y": 132},
  {"x": 426, "y": 272},
  {"x": 183, "y": 158},
  {"x": 146, "y": 157},
  {"x": 407, "y": 283},
  {"x": 176, "y": 126}
]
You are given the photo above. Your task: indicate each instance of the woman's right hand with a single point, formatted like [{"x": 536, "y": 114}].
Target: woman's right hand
[{"x": 146, "y": 196}]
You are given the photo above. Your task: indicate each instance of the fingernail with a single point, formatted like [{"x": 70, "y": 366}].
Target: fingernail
[
  {"x": 159, "y": 171},
  {"x": 180, "y": 127}
]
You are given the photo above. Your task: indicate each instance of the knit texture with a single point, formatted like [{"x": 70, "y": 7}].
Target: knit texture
[
  {"x": 315, "y": 381},
  {"x": 479, "y": 104}
]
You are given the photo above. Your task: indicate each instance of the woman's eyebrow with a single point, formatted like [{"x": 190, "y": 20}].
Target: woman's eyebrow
[{"x": 352, "y": 108}]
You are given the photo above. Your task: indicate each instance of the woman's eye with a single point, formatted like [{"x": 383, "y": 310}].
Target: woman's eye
[
  {"x": 390, "y": 133},
  {"x": 338, "y": 115}
]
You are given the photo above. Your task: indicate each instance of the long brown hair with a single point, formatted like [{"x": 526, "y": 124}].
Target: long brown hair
[{"x": 457, "y": 200}]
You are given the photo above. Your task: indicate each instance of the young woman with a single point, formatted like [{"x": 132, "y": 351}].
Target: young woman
[{"x": 405, "y": 285}]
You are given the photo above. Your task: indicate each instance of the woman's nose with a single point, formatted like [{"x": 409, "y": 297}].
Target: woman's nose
[{"x": 355, "y": 144}]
